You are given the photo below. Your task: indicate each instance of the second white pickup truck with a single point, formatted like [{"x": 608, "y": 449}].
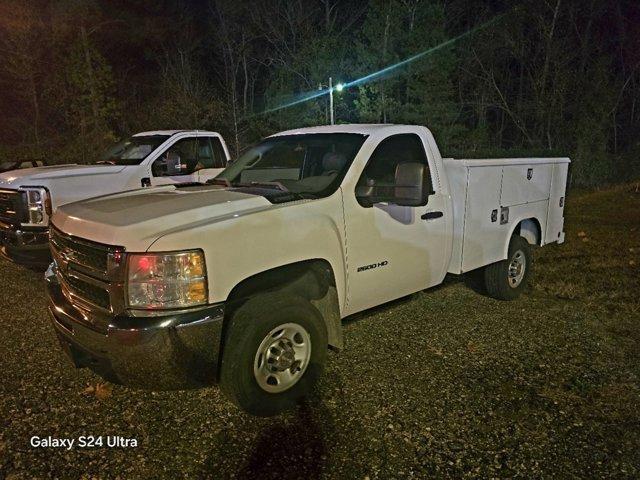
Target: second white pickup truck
[
  {"x": 245, "y": 281},
  {"x": 29, "y": 196}
]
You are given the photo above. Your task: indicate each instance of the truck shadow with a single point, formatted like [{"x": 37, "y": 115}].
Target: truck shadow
[{"x": 290, "y": 449}]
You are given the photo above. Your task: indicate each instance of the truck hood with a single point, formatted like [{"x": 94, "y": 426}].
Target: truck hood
[
  {"x": 137, "y": 218},
  {"x": 41, "y": 176}
]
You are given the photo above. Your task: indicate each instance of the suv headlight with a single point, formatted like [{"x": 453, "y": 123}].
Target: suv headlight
[
  {"x": 161, "y": 281},
  {"x": 38, "y": 205}
]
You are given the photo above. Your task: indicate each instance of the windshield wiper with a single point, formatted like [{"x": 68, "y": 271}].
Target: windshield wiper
[
  {"x": 276, "y": 185},
  {"x": 218, "y": 181}
]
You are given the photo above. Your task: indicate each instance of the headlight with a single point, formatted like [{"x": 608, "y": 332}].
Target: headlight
[
  {"x": 38, "y": 205},
  {"x": 166, "y": 280}
]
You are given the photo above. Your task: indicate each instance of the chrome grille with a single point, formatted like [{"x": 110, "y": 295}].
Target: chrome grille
[
  {"x": 93, "y": 256},
  {"x": 89, "y": 272},
  {"x": 91, "y": 293},
  {"x": 11, "y": 206}
]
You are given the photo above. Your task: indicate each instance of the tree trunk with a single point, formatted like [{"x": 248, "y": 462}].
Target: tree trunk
[
  {"x": 92, "y": 84},
  {"x": 36, "y": 110},
  {"x": 245, "y": 87},
  {"x": 385, "y": 42}
]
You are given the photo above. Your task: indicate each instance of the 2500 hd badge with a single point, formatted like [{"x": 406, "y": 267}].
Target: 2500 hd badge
[
  {"x": 83, "y": 441},
  {"x": 383, "y": 263}
]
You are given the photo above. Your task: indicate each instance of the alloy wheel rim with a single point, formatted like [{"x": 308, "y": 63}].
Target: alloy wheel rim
[{"x": 282, "y": 357}]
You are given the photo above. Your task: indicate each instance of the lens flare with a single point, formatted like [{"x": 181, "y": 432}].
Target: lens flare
[{"x": 305, "y": 97}]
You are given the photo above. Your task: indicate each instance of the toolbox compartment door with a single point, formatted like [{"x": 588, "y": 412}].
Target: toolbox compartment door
[
  {"x": 526, "y": 183},
  {"x": 483, "y": 240}
]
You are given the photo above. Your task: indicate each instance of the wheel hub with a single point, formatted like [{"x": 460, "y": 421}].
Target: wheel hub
[
  {"x": 517, "y": 269},
  {"x": 282, "y": 357}
]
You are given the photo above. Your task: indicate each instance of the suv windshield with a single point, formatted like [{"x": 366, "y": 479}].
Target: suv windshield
[
  {"x": 131, "y": 151},
  {"x": 309, "y": 164}
]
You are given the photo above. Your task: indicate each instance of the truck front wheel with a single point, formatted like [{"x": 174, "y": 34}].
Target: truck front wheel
[
  {"x": 507, "y": 279},
  {"x": 275, "y": 350}
]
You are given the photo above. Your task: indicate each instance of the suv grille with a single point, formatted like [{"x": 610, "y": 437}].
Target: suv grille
[
  {"x": 11, "y": 206},
  {"x": 90, "y": 272}
]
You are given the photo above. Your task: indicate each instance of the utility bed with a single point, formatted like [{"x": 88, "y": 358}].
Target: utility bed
[{"x": 491, "y": 196}]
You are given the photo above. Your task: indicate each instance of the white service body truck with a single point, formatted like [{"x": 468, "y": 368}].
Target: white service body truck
[
  {"x": 29, "y": 196},
  {"x": 245, "y": 281}
]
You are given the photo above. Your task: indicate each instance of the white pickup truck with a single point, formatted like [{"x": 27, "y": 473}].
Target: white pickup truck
[
  {"x": 29, "y": 196},
  {"x": 245, "y": 281}
]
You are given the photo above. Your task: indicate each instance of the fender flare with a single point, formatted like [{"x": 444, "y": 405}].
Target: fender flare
[{"x": 532, "y": 222}]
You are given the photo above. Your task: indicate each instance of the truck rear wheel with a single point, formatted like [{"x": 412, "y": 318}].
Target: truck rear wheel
[
  {"x": 507, "y": 279},
  {"x": 274, "y": 352}
]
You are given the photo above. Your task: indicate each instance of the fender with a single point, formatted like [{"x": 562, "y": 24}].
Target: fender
[
  {"x": 312, "y": 279},
  {"x": 535, "y": 223},
  {"x": 251, "y": 243}
]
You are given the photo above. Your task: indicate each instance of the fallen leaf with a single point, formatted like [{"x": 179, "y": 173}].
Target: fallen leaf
[
  {"x": 471, "y": 347},
  {"x": 89, "y": 390},
  {"x": 585, "y": 239},
  {"x": 435, "y": 351},
  {"x": 582, "y": 234},
  {"x": 103, "y": 390},
  {"x": 632, "y": 262}
]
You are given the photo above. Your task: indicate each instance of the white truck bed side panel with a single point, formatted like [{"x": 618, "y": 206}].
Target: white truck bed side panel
[
  {"x": 530, "y": 188},
  {"x": 555, "y": 214}
]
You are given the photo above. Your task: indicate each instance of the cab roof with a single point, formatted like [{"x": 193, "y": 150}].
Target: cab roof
[
  {"x": 361, "y": 128},
  {"x": 173, "y": 132}
]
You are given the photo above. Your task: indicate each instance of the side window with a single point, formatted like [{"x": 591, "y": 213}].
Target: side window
[
  {"x": 181, "y": 158},
  {"x": 205, "y": 154},
  {"x": 219, "y": 154},
  {"x": 380, "y": 172},
  {"x": 26, "y": 165}
]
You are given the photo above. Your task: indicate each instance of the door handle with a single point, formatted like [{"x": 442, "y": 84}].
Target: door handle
[{"x": 431, "y": 215}]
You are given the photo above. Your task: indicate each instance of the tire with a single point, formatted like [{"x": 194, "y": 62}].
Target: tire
[
  {"x": 498, "y": 281},
  {"x": 255, "y": 326}
]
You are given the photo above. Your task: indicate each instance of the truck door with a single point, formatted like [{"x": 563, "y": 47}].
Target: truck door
[
  {"x": 211, "y": 158},
  {"x": 394, "y": 250},
  {"x": 177, "y": 164}
]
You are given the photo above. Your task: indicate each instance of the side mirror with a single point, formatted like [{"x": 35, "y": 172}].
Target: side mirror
[{"x": 410, "y": 189}]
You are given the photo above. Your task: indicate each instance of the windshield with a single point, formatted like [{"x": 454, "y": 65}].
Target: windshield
[
  {"x": 310, "y": 164},
  {"x": 131, "y": 151}
]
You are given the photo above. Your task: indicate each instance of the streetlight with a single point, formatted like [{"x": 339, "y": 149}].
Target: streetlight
[{"x": 339, "y": 87}]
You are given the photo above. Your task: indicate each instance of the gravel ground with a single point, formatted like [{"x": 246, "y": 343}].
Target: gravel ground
[{"x": 446, "y": 383}]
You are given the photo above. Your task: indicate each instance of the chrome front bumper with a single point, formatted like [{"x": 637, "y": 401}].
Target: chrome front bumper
[
  {"x": 179, "y": 350},
  {"x": 27, "y": 247}
]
